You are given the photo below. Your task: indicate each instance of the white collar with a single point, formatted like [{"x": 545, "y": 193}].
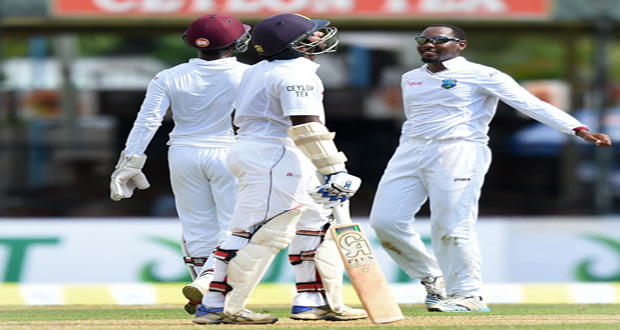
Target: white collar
[{"x": 451, "y": 63}]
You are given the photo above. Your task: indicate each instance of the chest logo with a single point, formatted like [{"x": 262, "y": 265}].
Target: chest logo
[{"x": 448, "y": 83}]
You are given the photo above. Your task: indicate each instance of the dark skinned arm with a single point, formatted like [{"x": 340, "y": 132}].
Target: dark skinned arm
[
  {"x": 600, "y": 139},
  {"x": 298, "y": 120}
]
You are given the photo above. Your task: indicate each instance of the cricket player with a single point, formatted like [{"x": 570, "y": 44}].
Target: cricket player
[
  {"x": 200, "y": 95},
  {"x": 282, "y": 141},
  {"x": 443, "y": 156}
]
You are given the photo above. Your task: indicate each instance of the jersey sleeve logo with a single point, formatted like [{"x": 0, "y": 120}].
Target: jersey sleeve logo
[
  {"x": 300, "y": 90},
  {"x": 448, "y": 83}
]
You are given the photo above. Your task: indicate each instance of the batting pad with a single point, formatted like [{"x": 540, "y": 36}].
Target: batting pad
[
  {"x": 330, "y": 267},
  {"x": 248, "y": 267}
]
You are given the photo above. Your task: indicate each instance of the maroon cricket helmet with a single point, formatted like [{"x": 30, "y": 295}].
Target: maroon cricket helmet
[
  {"x": 214, "y": 31},
  {"x": 279, "y": 32}
]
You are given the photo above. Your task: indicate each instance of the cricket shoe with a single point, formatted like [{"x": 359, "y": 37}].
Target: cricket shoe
[
  {"x": 327, "y": 314},
  {"x": 435, "y": 290},
  {"x": 216, "y": 316},
  {"x": 461, "y": 304},
  {"x": 194, "y": 293}
]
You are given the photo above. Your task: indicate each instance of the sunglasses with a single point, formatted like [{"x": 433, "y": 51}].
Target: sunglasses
[{"x": 434, "y": 40}]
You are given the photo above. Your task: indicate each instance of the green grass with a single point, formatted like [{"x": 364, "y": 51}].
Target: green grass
[{"x": 502, "y": 316}]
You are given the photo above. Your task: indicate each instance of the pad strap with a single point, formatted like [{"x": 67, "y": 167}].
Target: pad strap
[
  {"x": 242, "y": 234},
  {"x": 296, "y": 259},
  {"x": 309, "y": 287},
  {"x": 222, "y": 287},
  {"x": 196, "y": 261},
  {"x": 311, "y": 232},
  {"x": 224, "y": 255}
]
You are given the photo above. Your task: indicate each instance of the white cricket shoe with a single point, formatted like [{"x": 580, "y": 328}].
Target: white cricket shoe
[
  {"x": 194, "y": 293},
  {"x": 461, "y": 304},
  {"x": 435, "y": 290},
  {"x": 216, "y": 316},
  {"x": 327, "y": 314}
]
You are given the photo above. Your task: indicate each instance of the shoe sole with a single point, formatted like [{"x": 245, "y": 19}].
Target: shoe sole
[
  {"x": 194, "y": 295},
  {"x": 190, "y": 308},
  {"x": 327, "y": 318},
  {"x": 455, "y": 311},
  {"x": 233, "y": 322}
]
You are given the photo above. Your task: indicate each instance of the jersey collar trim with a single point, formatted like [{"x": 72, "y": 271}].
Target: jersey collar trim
[
  {"x": 217, "y": 62},
  {"x": 454, "y": 62},
  {"x": 448, "y": 64}
]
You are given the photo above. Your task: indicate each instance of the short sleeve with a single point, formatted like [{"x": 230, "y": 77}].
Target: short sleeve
[{"x": 301, "y": 95}]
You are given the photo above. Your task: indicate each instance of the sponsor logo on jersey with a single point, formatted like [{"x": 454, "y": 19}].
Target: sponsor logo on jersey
[
  {"x": 462, "y": 179},
  {"x": 300, "y": 90},
  {"x": 414, "y": 83},
  {"x": 448, "y": 83}
]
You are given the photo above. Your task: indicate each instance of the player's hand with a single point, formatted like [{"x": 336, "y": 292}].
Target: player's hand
[
  {"x": 600, "y": 139},
  {"x": 338, "y": 188},
  {"x": 127, "y": 177}
]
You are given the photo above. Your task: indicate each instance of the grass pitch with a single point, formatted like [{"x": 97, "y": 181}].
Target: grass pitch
[{"x": 172, "y": 317}]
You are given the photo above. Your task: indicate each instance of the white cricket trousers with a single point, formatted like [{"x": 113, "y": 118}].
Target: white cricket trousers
[
  {"x": 274, "y": 176},
  {"x": 450, "y": 174},
  {"x": 204, "y": 192}
]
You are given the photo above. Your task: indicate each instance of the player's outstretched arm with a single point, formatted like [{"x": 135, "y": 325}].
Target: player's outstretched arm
[
  {"x": 600, "y": 139},
  {"x": 316, "y": 142}
]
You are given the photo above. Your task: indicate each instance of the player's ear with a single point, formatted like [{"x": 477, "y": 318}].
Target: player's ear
[{"x": 461, "y": 45}]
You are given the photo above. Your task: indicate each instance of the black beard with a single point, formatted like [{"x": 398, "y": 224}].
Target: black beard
[{"x": 430, "y": 60}]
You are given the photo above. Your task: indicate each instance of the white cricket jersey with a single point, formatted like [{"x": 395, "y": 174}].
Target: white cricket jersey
[
  {"x": 271, "y": 92},
  {"x": 201, "y": 97},
  {"x": 460, "y": 101}
]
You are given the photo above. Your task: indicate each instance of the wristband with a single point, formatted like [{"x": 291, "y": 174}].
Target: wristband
[{"x": 577, "y": 129}]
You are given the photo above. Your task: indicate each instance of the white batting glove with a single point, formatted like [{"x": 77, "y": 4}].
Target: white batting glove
[
  {"x": 127, "y": 176},
  {"x": 338, "y": 188}
]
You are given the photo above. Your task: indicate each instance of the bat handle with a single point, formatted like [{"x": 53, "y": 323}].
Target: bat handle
[{"x": 341, "y": 213}]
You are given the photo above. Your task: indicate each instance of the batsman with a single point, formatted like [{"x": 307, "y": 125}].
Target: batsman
[{"x": 282, "y": 141}]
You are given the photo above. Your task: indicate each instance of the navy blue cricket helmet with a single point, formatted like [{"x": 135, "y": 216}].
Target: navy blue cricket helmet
[{"x": 282, "y": 32}]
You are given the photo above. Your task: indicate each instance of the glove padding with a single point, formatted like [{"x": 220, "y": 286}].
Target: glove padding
[
  {"x": 338, "y": 188},
  {"x": 128, "y": 176}
]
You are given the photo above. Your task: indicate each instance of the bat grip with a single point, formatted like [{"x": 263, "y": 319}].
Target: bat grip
[{"x": 341, "y": 213}]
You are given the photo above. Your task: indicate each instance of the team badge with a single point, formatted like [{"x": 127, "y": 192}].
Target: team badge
[
  {"x": 202, "y": 42},
  {"x": 448, "y": 83}
]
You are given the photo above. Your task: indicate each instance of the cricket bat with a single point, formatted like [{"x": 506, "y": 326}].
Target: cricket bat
[{"x": 363, "y": 268}]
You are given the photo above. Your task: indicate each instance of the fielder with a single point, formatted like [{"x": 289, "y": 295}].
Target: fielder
[
  {"x": 200, "y": 95},
  {"x": 443, "y": 156},
  {"x": 282, "y": 141}
]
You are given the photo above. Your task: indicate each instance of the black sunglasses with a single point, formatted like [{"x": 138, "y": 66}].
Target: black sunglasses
[{"x": 434, "y": 40}]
